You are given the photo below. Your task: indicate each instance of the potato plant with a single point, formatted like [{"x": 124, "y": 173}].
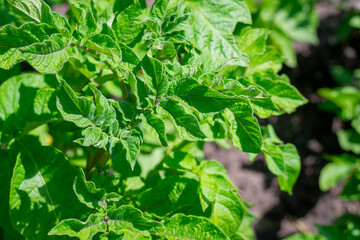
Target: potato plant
[{"x": 104, "y": 116}]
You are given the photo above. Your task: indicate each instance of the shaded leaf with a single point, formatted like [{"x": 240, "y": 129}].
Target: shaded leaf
[
  {"x": 26, "y": 102},
  {"x": 333, "y": 173},
  {"x": 42, "y": 186},
  {"x": 79, "y": 110},
  {"x": 181, "y": 161},
  {"x": 7, "y": 163},
  {"x": 170, "y": 194},
  {"x": 87, "y": 193},
  {"x": 155, "y": 126},
  {"x": 154, "y": 75},
  {"x": 349, "y": 140},
  {"x": 126, "y": 148}
]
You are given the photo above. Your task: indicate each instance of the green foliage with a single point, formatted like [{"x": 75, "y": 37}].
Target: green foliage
[
  {"x": 291, "y": 20},
  {"x": 345, "y": 102},
  {"x": 345, "y": 227},
  {"x": 131, "y": 97}
]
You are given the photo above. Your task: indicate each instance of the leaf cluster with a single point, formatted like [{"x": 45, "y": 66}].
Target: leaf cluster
[{"x": 104, "y": 137}]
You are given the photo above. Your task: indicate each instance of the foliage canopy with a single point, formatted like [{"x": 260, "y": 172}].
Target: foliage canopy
[{"x": 104, "y": 140}]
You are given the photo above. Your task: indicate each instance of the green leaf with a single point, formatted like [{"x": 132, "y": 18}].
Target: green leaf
[
  {"x": 79, "y": 110},
  {"x": 48, "y": 56},
  {"x": 127, "y": 24},
  {"x": 85, "y": 17},
  {"x": 132, "y": 218},
  {"x": 168, "y": 20},
  {"x": 170, "y": 195},
  {"x": 245, "y": 231},
  {"x": 5, "y": 16},
  {"x": 105, "y": 113},
  {"x": 87, "y": 193},
  {"x": 269, "y": 61},
  {"x": 228, "y": 211},
  {"x": 26, "y": 102},
  {"x": 345, "y": 227},
  {"x": 41, "y": 186},
  {"x": 40, "y": 12},
  {"x": 252, "y": 41},
  {"x": 204, "y": 99},
  {"x": 7, "y": 163},
  {"x": 82, "y": 230},
  {"x": 181, "y": 226},
  {"x": 285, "y": 96},
  {"x": 154, "y": 75},
  {"x": 215, "y": 167},
  {"x": 163, "y": 50},
  {"x": 349, "y": 140},
  {"x": 351, "y": 189},
  {"x": 243, "y": 128},
  {"x": 346, "y": 98},
  {"x": 104, "y": 44},
  {"x": 127, "y": 147},
  {"x": 211, "y": 25},
  {"x": 126, "y": 234},
  {"x": 213, "y": 178},
  {"x": 261, "y": 101},
  {"x": 161, "y": 8},
  {"x": 140, "y": 91},
  {"x": 181, "y": 161},
  {"x": 355, "y": 123},
  {"x": 285, "y": 47},
  {"x": 38, "y": 44},
  {"x": 284, "y": 161},
  {"x": 93, "y": 136},
  {"x": 125, "y": 112},
  {"x": 128, "y": 55},
  {"x": 333, "y": 173},
  {"x": 296, "y": 18},
  {"x": 186, "y": 124},
  {"x": 155, "y": 126}
]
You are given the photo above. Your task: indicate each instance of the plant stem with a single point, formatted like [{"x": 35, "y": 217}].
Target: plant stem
[{"x": 99, "y": 158}]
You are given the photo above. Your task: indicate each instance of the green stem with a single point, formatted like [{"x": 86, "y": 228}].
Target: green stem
[{"x": 99, "y": 158}]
